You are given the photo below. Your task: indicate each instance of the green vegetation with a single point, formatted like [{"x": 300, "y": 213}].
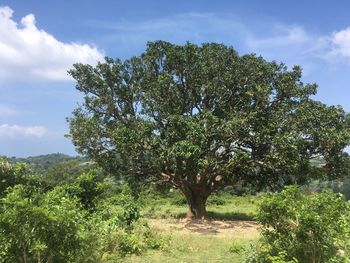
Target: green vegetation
[
  {"x": 341, "y": 186},
  {"x": 94, "y": 218},
  {"x": 202, "y": 117},
  {"x": 298, "y": 227},
  {"x": 221, "y": 206},
  {"x": 40, "y": 164},
  {"x": 88, "y": 220},
  {"x": 37, "y": 227},
  {"x": 183, "y": 141},
  {"x": 189, "y": 248}
]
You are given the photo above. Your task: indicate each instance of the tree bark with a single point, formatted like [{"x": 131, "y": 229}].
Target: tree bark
[
  {"x": 196, "y": 199},
  {"x": 197, "y": 208}
]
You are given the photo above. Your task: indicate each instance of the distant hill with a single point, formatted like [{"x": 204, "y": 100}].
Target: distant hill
[{"x": 41, "y": 163}]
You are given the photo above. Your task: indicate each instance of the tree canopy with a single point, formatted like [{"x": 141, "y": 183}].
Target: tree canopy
[{"x": 203, "y": 116}]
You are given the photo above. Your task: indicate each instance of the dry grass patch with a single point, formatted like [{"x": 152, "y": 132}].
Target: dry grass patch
[{"x": 221, "y": 229}]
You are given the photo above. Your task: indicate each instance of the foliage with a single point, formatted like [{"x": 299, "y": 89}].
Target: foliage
[
  {"x": 341, "y": 186},
  {"x": 89, "y": 188},
  {"x": 173, "y": 205},
  {"x": 112, "y": 233},
  {"x": 236, "y": 248},
  {"x": 217, "y": 199},
  {"x": 130, "y": 208},
  {"x": 40, "y": 164},
  {"x": 64, "y": 172},
  {"x": 11, "y": 175},
  {"x": 86, "y": 189},
  {"x": 304, "y": 228},
  {"x": 241, "y": 189},
  {"x": 38, "y": 228},
  {"x": 203, "y": 116},
  {"x": 88, "y": 220}
]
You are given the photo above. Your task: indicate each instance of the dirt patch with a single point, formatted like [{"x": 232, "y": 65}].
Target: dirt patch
[{"x": 243, "y": 229}]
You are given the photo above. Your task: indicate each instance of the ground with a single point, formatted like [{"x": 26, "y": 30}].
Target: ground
[
  {"x": 223, "y": 238},
  {"x": 215, "y": 228},
  {"x": 201, "y": 241}
]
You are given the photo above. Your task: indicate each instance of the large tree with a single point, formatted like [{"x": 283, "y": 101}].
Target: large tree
[{"x": 202, "y": 116}]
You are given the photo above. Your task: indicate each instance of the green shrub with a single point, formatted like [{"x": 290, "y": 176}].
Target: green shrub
[
  {"x": 297, "y": 227},
  {"x": 13, "y": 174},
  {"x": 147, "y": 236},
  {"x": 130, "y": 212},
  {"x": 38, "y": 227},
  {"x": 216, "y": 199},
  {"x": 178, "y": 199},
  {"x": 87, "y": 221},
  {"x": 239, "y": 189},
  {"x": 236, "y": 248},
  {"x": 106, "y": 239}
]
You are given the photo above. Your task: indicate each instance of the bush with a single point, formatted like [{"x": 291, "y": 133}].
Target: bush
[
  {"x": 239, "y": 189},
  {"x": 108, "y": 239},
  {"x": 38, "y": 228},
  {"x": 178, "y": 199},
  {"x": 297, "y": 227},
  {"x": 216, "y": 199},
  {"x": 130, "y": 213},
  {"x": 89, "y": 220},
  {"x": 236, "y": 248}
]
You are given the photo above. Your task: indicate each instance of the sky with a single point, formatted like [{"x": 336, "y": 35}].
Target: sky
[{"x": 41, "y": 40}]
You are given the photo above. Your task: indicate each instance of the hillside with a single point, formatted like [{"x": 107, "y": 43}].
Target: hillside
[{"x": 41, "y": 163}]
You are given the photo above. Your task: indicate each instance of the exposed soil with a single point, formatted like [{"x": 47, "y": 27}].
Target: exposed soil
[{"x": 224, "y": 229}]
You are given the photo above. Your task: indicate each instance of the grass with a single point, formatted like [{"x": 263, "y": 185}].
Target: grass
[
  {"x": 171, "y": 206},
  {"x": 195, "y": 248},
  {"x": 220, "y": 239}
]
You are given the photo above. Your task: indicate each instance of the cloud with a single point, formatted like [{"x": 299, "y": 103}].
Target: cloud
[
  {"x": 261, "y": 38},
  {"x": 30, "y": 53},
  {"x": 131, "y": 36},
  {"x": 15, "y": 131},
  {"x": 339, "y": 43},
  {"x": 292, "y": 44},
  {"x": 283, "y": 36}
]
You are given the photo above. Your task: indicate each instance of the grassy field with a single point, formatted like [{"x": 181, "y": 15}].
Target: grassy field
[
  {"x": 224, "y": 237},
  {"x": 223, "y": 207}
]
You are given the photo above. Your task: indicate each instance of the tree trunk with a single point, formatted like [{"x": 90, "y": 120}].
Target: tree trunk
[
  {"x": 197, "y": 208},
  {"x": 196, "y": 199}
]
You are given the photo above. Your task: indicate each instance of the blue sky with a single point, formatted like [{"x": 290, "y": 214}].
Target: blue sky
[{"x": 40, "y": 40}]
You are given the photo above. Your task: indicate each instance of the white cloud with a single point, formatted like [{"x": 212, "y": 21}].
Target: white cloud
[
  {"x": 283, "y": 37},
  {"x": 288, "y": 43},
  {"x": 340, "y": 44},
  {"x": 292, "y": 44},
  {"x": 295, "y": 43},
  {"x": 30, "y": 53},
  {"x": 132, "y": 36},
  {"x": 16, "y": 131}
]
